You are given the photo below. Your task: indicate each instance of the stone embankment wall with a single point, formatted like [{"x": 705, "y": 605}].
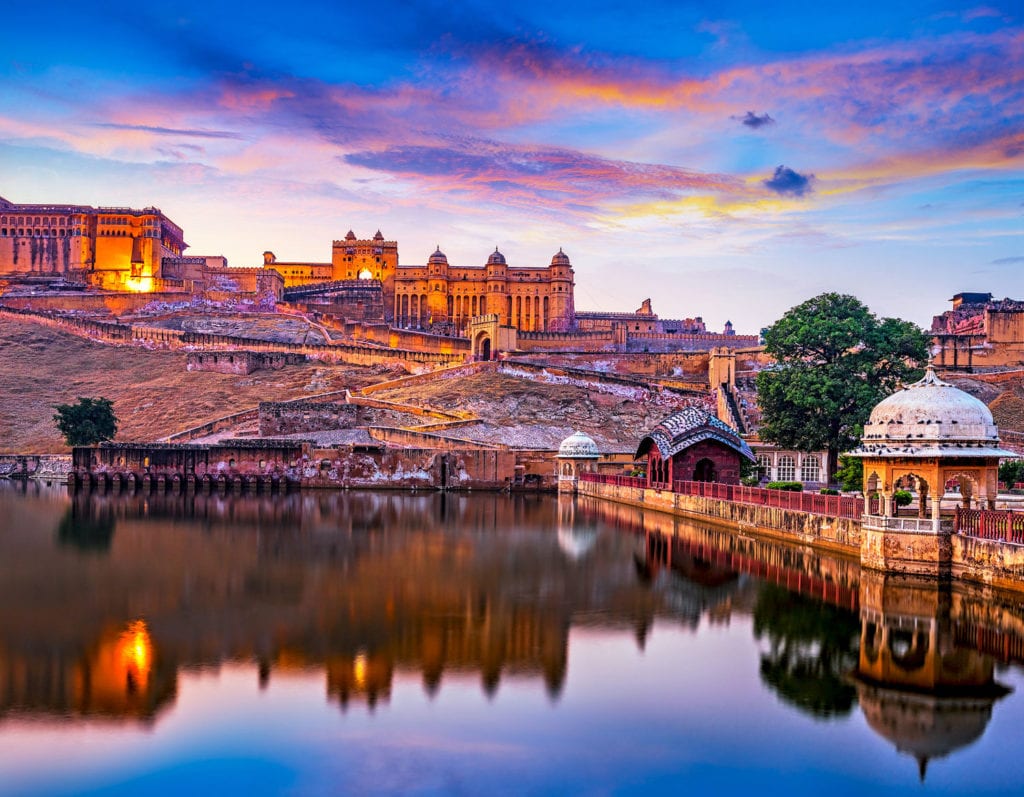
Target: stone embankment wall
[
  {"x": 294, "y": 417},
  {"x": 35, "y": 466},
  {"x": 122, "y": 334},
  {"x": 240, "y": 362},
  {"x": 632, "y": 389},
  {"x": 385, "y": 335},
  {"x": 107, "y": 303},
  {"x": 413, "y": 468},
  {"x": 841, "y": 535},
  {"x": 394, "y": 436},
  {"x": 993, "y": 563},
  {"x": 252, "y": 463}
]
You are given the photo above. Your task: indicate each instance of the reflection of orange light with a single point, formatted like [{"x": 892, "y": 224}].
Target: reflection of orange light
[
  {"x": 139, "y": 284},
  {"x": 359, "y": 670},
  {"x": 135, "y": 652}
]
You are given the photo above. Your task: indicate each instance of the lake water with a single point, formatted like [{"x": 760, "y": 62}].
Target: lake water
[{"x": 376, "y": 643}]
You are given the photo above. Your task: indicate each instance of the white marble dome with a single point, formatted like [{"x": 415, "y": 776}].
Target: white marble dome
[
  {"x": 928, "y": 418},
  {"x": 578, "y": 446}
]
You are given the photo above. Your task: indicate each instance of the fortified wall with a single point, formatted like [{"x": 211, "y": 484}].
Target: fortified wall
[{"x": 240, "y": 362}]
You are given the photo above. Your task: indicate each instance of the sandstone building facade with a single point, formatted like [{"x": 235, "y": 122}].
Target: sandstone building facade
[
  {"x": 112, "y": 248},
  {"x": 437, "y": 295},
  {"x": 979, "y": 334}
]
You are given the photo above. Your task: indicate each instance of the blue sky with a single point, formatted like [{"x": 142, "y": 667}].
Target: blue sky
[{"x": 727, "y": 160}]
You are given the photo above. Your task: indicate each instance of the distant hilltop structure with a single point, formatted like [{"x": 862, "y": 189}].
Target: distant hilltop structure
[
  {"x": 120, "y": 249},
  {"x": 979, "y": 333},
  {"x": 513, "y": 307}
]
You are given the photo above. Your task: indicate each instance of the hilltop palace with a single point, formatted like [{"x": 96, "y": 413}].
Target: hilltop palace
[{"x": 126, "y": 250}]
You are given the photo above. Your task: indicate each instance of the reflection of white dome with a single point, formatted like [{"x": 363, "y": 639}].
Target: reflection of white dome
[
  {"x": 931, "y": 417},
  {"x": 576, "y": 543},
  {"x": 578, "y": 446}
]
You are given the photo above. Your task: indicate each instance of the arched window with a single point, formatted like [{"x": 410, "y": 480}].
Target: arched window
[
  {"x": 786, "y": 469},
  {"x": 811, "y": 469}
]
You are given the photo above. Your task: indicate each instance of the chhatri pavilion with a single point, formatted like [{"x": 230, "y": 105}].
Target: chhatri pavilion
[{"x": 925, "y": 435}]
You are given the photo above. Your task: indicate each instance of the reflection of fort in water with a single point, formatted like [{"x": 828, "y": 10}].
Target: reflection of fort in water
[{"x": 363, "y": 586}]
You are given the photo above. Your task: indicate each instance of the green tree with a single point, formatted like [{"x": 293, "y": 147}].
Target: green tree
[
  {"x": 850, "y": 475},
  {"x": 1011, "y": 471},
  {"x": 86, "y": 423},
  {"x": 834, "y": 361}
]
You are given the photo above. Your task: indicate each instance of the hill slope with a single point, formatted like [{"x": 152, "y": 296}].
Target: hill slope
[{"x": 153, "y": 394}]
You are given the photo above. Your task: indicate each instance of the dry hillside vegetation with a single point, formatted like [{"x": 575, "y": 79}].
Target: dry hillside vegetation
[
  {"x": 1008, "y": 411},
  {"x": 509, "y": 401},
  {"x": 153, "y": 394}
]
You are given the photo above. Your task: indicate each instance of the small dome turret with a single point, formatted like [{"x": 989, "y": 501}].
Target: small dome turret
[
  {"x": 560, "y": 258},
  {"x": 578, "y": 446},
  {"x": 496, "y": 258},
  {"x": 438, "y": 257},
  {"x": 379, "y": 236},
  {"x": 350, "y": 236}
]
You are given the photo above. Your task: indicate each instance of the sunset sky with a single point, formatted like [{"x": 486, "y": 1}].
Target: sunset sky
[{"x": 726, "y": 159}]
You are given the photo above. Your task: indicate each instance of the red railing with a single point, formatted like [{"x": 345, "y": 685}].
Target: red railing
[
  {"x": 988, "y": 524},
  {"x": 812, "y": 503},
  {"x": 619, "y": 481}
]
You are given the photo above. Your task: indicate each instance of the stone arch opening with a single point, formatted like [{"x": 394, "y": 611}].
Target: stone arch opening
[
  {"x": 966, "y": 484},
  {"x": 704, "y": 470},
  {"x": 917, "y": 485},
  {"x": 482, "y": 346}
]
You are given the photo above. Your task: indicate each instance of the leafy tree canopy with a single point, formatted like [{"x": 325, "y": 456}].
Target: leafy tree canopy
[
  {"x": 86, "y": 423},
  {"x": 834, "y": 361},
  {"x": 850, "y": 475}
]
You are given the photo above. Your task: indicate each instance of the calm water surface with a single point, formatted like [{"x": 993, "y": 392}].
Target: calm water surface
[{"x": 380, "y": 644}]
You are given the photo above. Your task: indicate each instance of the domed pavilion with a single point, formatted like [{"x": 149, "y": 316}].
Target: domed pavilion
[
  {"x": 926, "y": 435},
  {"x": 577, "y": 454},
  {"x": 693, "y": 445}
]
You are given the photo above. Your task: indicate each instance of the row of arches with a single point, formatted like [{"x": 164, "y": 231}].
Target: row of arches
[
  {"x": 972, "y": 491},
  {"x": 525, "y": 313}
]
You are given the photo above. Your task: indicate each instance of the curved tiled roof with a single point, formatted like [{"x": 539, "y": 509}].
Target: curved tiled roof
[{"x": 688, "y": 427}]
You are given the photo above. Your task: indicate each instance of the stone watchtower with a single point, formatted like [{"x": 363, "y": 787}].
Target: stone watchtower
[
  {"x": 924, "y": 436},
  {"x": 577, "y": 454}
]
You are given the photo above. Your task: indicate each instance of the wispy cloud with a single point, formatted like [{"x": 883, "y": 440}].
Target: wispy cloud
[{"x": 171, "y": 131}]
